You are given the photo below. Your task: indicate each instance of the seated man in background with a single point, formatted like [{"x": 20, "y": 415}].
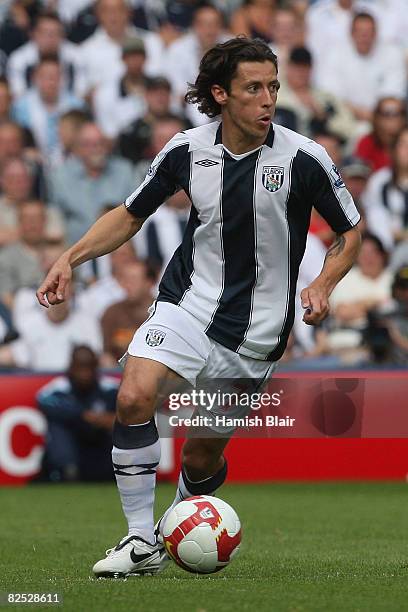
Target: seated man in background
[
  {"x": 397, "y": 320},
  {"x": 109, "y": 287},
  {"x": 5, "y": 100},
  {"x": 360, "y": 73},
  {"x": 47, "y": 39},
  {"x": 46, "y": 338},
  {"x": 69, "y": 125},
  {"x": 20, "y": 261},
  {"x": 122, "y": 100},
  {"x": 366, "y": 287},
  {"x": 88, "y": 179},
  {"x": 16, "y": 187},
  {"x": 17, "y": 142},
  {"x": 162, "y": 131},
  {"x": 315, "y": 110},
  {"x": 389, "y": 118},
  {"x": 122, "y": 319},
  {"x": 134, "y": 141},
  {"x": 80, "y": 410},
  {"x": 40, "y": 108}
]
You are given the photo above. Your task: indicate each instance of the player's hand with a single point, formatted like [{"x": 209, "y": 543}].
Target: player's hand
[
  {"x": 54, "y": 289},
  {"x": 315, "y": 301}
]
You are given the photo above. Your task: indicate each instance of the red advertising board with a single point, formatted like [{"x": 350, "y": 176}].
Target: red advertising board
[{"x": 365, "y": 451}]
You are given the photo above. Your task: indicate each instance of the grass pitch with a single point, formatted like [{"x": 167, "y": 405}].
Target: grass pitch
[{"x": 306, "y": 547}]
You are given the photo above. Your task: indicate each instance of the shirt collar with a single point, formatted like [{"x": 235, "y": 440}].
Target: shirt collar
[{"x": 268, "y": 141}]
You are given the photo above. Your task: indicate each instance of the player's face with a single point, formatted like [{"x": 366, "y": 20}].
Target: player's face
[{"x": 250, "y": 105}]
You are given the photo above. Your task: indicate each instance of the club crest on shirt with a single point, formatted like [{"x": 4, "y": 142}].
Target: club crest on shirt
[
  {"x": 272, "y": 177},
  {"x": 155, "y": 337}
]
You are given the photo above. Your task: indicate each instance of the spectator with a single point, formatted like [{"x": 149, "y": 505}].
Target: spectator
[
  {"x": 355, "y": 173},
  {"x": 314, "y": 110},
  {"x": 360, "y": 73},
  {"x": 109, "y": 289},
  {"x": 184, "y": 55},
  {"x": 80, "y": 411},
  {"x": 16, "y": 186},
  {"x": 69, "y": 11},
  {"x": 25, "y": 301},
  {"x": 328, "y": 25},
  {"x": 333, "y": 143},
  {"x": 69, "y": 125},
  {"x": 122, "y": 101},
  {"x": 40, "y": 108},
  {"x": 5, "y": 100},
  {"x": 386, "y": 198},
  {"x": 99, "y": 267},
  {"x": 389, "y": 117},
  {"x": 47, "y": 39},
  {"x": 7, "y": 330},
  {"x": 12, "y": 145},
  {"x": 17, "y": 23},
  {"x": 396, "y": 320},
  {"x": 121, "y": 320},
  {"x": 134, "y": 141},
  {"x": 82, "y": 186},
  {"x": 47, "y": 337},
  {"x": 20, "y": 264},
  {"x": 365, "y": 287},
  {"x": 11, "y": 141},
  {"x": 254, "y": 19},
  {"x": 163, "y": 130},
  {"x": 288, "y": 33},
  {"x": 102, "y": 52}
]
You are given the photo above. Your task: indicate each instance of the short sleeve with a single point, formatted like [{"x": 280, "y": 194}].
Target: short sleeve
[
  {"x": 165, "y": 176},
  {"x": 324, "y": 188}
]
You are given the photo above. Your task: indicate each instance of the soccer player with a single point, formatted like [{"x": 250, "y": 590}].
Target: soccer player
[{"x": 226, "y": 301}]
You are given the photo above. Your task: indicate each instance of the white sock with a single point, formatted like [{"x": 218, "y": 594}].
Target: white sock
[{"x": 135, "y": 472}]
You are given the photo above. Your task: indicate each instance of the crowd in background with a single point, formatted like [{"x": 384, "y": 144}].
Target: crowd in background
[{"x": 90, "y": 91}]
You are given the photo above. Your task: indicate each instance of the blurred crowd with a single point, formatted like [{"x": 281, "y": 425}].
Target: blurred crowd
[{"x": 91, "y": 90}]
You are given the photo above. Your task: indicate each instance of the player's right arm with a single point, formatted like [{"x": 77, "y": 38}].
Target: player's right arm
[
  {"x": 116, "y": 227},
  {"x": 107, "y": 234}
]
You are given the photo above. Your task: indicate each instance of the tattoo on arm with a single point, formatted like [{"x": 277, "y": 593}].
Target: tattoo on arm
[{"x": 337, "y": 247}]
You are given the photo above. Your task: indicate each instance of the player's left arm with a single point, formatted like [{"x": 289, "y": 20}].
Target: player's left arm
[
  {"x": 339, "y": 259},
  {"x": 326, "y": 191}
]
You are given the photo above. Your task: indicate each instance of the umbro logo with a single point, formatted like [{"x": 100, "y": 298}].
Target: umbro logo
[{"x": 207, "y": 162}]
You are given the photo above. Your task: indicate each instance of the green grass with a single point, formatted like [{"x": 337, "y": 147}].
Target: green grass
[{"x": 306, "y": 547}]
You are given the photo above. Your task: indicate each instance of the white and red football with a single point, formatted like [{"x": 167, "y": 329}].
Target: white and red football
[{"x": 202, "y": 534}]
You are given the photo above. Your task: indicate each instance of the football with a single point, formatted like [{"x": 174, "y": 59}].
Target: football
[{"x": 202, "y": 534}]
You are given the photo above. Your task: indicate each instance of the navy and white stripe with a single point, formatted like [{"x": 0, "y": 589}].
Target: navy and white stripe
[
  {"x": 236, "y": 269},
  {"x": 141, "y": 469}
]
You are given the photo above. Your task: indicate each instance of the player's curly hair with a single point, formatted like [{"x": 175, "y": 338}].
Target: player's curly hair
[{"x": 218, "y": 67}]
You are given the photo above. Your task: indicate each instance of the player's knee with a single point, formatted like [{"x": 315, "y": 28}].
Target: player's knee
[{"x": 134, "y": 405}]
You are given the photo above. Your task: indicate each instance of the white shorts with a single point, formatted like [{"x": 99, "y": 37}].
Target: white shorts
[{"x": 175, "y": 338}]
